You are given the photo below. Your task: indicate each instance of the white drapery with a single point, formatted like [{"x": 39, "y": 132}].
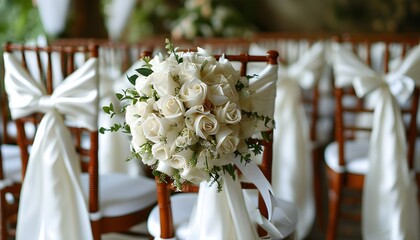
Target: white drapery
[
  {"x": 51, "y": 204},
  {"x": 389, "y": 206}
]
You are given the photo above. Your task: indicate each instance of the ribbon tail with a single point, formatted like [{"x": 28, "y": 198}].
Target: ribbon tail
[{"x": 51, "y": 182}]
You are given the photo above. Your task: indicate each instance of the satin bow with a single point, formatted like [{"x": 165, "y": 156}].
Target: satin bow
[
  {"x": 390, "y": 209},
  {"x": 52, "y": 205}
]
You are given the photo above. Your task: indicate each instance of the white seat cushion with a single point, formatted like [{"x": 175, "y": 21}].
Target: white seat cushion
[
  {"x": 182, "y": 205},
  {"x": 121, "y": 194},
  {"x": 12, "y": 164},
  {"x": 355, "y": 153}
]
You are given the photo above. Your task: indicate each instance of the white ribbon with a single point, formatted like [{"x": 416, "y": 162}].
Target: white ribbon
[
  {"x": 53, "y": 15},
  {"x": 52, "y": 205},
  {"x": 232, "y": 218},
  {"x": 292, "y": 166},
  {"x": 390, "y": 209}
]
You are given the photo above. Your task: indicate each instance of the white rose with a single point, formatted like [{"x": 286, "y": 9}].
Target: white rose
[
  {"x": 226, "y": 68},
  {"x": 163, "y": 83},
  {"x": 137, "y": 137},
  {"x": 165, "y": 168},
  {"x": 205, "y": 125},
  {"x": 140, "y": 109},
  {"x": 161, "y": 151},
  {"x": 197, "y": 109},
  {"x": 148, "y": 159},
  {"x": 193, "y": 93},
  {"x": 195, "y": 175},
  {"x": 230, "y": 113},
  {"x": 137, "y": 141},
  {"x": 171, "y": 107},
  {"x": 180, "y": 160},
  {"x": 143, "y": 86},
  {"x": 161, "y": 64},
  {"x": 222, "y": 92},
  {"x": 188, "y": 71},
  {"x": 155, "y": 128},
  {"x": 227, "y": 140}
]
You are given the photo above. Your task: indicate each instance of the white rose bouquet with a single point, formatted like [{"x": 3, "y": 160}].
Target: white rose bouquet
[{"x": 188, "y": 116}]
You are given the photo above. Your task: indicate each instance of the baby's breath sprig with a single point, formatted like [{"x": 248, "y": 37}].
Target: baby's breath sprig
[{"x": 172, "y": 50}]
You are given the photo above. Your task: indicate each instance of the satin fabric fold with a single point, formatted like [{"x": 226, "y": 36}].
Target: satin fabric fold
[
  {"x": 389, "y": 205},
  {"x": 223, "y": 215},
  {"x": 114, "y": 148},
  {"x": 52, "y": 205},
  {"x": 292, "y": 165}
]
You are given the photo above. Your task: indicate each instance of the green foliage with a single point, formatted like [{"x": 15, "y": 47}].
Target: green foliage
[{"x": 19, "y": 21}]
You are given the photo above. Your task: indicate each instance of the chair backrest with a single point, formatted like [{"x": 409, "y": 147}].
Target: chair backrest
[
  {"x": 291, "y": 46},
  {"x": 164, "y": 188},
  {"x": 49, "y": 66},
  {"x": 353, "y": 115},
  {"x": 224, "y": 45},
  {"x": 44, "y": 70}
]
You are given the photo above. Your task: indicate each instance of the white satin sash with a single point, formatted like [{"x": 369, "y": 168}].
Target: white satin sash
[
  {"x": 52, "y": 205},
  {"x": 114, "y": 147},
  {"x": 229, "y": 218},
  {"x": 53, "y": 15},
  {"x": 292, "y": 166},
  {"x": 390, "y": 209}
]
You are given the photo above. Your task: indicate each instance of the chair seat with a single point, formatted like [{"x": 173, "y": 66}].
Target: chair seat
[
  {"x": 182, "y": 205},
  {"x": 121, "y": 194},
  {"x": 356, "y": 162},
  {"x": 12, "y": 164}
]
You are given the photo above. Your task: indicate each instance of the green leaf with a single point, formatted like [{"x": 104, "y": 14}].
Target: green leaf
[
  {"x": 106, "y": 109},
  {"x": 144, "y": 71},
  {"x": 132, "y": 79},
  {"x": 102, "y": 130},
  {"x": 119, "y": 96}
]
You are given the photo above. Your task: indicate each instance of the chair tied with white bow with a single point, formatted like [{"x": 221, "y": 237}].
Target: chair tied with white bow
[
  {"x": 52, "y": 205},
  {"x": 390, "y": 209},
  {"x": 292, "y": 168}
]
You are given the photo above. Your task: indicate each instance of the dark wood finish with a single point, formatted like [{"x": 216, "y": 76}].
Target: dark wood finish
[{"x": 345, "y": 130}]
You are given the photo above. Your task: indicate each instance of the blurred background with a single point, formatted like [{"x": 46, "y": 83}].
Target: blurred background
[{"x": 134, "y": 20}]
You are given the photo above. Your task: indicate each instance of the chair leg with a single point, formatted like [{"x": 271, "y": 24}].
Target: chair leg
[
  {"x": 334, "y": 197},
  {"x": 318, "y": 187},
  {"x": 3, "y": 224}
]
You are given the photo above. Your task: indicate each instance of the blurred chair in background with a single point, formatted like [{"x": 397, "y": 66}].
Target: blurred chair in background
[
  {"x": 56, "y": 198},
  {"x": 373, "y": 151}
]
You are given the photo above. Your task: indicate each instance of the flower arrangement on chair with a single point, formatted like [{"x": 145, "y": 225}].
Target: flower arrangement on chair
[{"x": 190, "y": 116}]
